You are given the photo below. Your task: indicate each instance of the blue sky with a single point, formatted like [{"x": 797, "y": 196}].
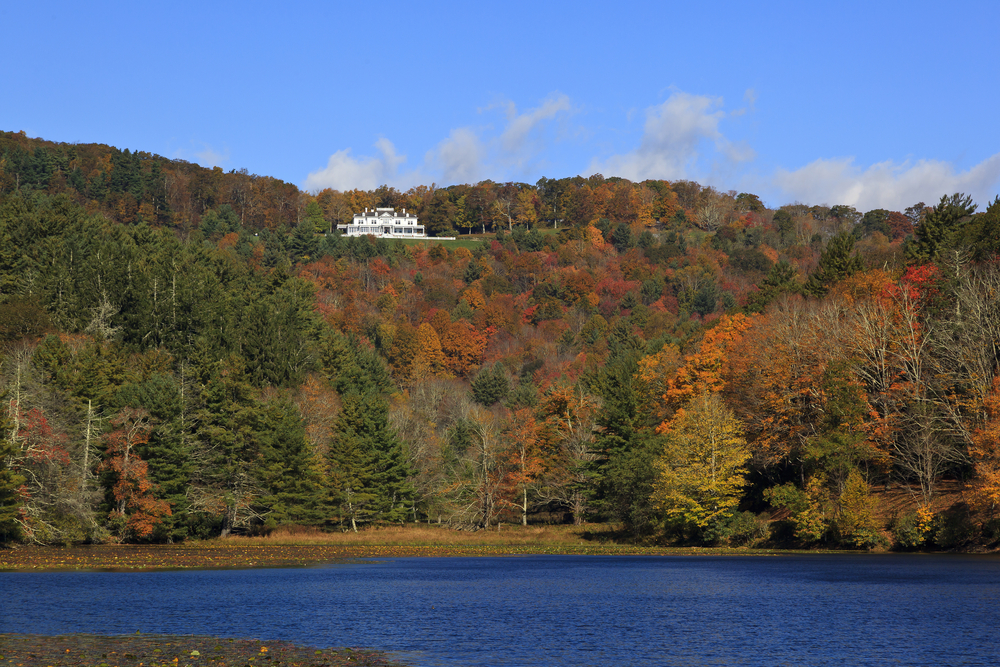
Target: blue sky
[{"x": 870, "y": 104}]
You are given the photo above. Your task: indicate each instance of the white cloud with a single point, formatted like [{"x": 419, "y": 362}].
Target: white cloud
[
  {"x": 465, "y": 156},
  {"x": 459, "y": 157},
  {"x": 674, "y": 139},
  {"x": 206, "y": 157},
  {"x": 887, "y": 184},
  {"x": 211, "y": 157},
  {"x": 515, "y": 138},
  {"x": 344, "y": 172}
]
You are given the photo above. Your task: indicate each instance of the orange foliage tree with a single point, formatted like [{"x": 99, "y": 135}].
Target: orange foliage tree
[
  {"x": 135, "y": 509},
  {"x": 703, "y": 372},
  {"x": 568, "y": 418},
  {"x": 463, "y": 347},
  {"x": 985, "y": 453},
  {"x": 524, "y": 457}
]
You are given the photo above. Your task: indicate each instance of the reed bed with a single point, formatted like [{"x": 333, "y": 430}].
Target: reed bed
[{"x": 436, "y": 535}]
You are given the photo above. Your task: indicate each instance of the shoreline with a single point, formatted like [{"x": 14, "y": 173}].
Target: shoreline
[
  {"x": 81, "y": 649},
  {"x": 222, "y": 555}
]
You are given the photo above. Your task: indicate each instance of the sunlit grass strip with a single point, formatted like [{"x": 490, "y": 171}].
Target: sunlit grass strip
[
  {"x": 229, "y": 556},
  {"x": 423, "y": 534}
]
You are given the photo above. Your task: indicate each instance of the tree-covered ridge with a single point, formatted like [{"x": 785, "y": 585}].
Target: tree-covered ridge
[{"x": 682, "y": 361}]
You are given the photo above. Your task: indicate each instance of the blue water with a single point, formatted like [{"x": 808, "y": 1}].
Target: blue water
[{"x": 557, "y": 610}]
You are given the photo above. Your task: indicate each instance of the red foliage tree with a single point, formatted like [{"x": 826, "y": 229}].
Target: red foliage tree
[{"x": 135, "y": 507}]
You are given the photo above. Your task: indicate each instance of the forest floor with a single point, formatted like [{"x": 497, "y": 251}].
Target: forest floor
[{"x": 898, "y": 499}]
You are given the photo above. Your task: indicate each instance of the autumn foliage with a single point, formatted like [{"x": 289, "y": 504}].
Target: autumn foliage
[{"x": 191, "y": 353}]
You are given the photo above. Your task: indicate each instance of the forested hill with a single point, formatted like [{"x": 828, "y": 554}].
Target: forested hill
[{"x": 188, "y": 352}]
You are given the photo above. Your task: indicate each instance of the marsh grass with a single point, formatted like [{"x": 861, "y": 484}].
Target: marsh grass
[{"x": 435, "y": 535}]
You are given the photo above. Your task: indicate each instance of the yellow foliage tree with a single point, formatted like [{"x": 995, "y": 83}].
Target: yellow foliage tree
[
  {"x": 857, "y": 521},
  {"x": 703, "y": 466},
  {"x": 430, "y": 360}
]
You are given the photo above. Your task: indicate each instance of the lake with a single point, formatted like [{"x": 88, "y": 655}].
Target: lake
[{"x": 851, "y": 609}]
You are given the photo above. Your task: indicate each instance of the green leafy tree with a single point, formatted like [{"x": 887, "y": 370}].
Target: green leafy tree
[{"x": 808, "y": 507}]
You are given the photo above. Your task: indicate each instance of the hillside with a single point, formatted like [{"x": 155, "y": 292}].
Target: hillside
[{"x": 189, "y": 353}]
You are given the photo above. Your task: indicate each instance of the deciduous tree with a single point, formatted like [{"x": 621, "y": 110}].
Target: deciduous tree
[
  {"x": 701, "y": 471},
  {"x": 135, "y": 511}
]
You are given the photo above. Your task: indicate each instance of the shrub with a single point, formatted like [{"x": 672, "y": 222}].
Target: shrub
[{"x": 911, "y": 530}]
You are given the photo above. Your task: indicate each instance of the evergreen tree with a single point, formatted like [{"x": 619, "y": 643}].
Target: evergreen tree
[
  {"x": 369, "y": 476},
  {"x": 982, "y": 234},
  {"x": 785, "y": 225},
  {"x": 10, "y": 482},
  {"x": 940, "y": 228},
  {"x": 835, "y": 264},
  {"x": 228, "y": 447},
  {"x": 491, "y": 385},
  {"x": 349, "y": 365},
  {"x": 166, "y": 451},
  {"x": 621, "y": 472},
  {"x": 622, "y": 239},
  {"x": 288, "y": 471},
  {"x": 779, "y": 280},
  {"x": 303, "y": 245}
]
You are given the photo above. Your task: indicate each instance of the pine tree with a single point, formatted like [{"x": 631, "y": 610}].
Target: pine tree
[
  {"x": 10, "y": 483},
  {"x": 369, "y": 473},
  {"x": 166, "y": 452},
  {"x": 940, "y": 228},
  {"x": 835, "y": 264},
  {"x": 227, "y": 447},
  {"x": 491, "y": 385},
  {"x": 350, "y": 462},
  {"x": 780, "y": 279},
  {"x": 288, "y": 471}
]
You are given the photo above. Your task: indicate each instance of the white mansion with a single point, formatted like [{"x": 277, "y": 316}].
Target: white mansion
[{"x": 384, "y": 223}]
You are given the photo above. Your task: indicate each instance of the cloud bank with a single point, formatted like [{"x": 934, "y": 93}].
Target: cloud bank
[
  {"x": 887, "y": 184},
  {"x": 467, "y": 155},
  {"x": 680, "y": 138},
  {"x": 345, "y": 172}
]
